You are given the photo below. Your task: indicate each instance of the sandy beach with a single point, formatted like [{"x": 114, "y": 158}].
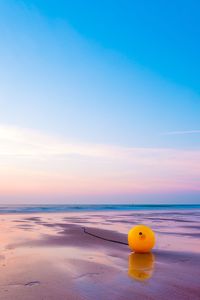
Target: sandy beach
[{"x": 48, "y": 256}]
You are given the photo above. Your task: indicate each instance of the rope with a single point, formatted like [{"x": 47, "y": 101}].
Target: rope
[{"x": 102, "y": 238}]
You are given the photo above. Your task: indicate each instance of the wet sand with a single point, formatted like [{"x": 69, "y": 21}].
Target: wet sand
[{"x": 48, "y": 256}]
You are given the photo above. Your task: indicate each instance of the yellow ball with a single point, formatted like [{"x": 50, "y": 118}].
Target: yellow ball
[{"x": 141, "y": 239}]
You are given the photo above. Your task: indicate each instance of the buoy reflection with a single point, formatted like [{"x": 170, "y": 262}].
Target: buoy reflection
[{"x": 141, "y": 266}]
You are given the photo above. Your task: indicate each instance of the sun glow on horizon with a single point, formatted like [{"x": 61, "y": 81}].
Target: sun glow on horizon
[{"x": 38, "y": 164}]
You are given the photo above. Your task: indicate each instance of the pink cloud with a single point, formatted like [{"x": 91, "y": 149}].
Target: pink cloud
[{"x": 37, "y": 164}]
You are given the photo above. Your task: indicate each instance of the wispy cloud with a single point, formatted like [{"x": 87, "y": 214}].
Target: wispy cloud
[
  {"x": 32, "y": 162},
  {"x": 182, "y": 132}
]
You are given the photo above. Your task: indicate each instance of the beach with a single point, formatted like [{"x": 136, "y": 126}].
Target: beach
[{"x": 49, "y": 256}]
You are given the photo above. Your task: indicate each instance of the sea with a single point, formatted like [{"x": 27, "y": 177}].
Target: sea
[{"x": 55, "y": 208}]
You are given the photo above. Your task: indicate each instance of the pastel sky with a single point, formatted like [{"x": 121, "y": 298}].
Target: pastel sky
[{"x": 99, "y": 101}]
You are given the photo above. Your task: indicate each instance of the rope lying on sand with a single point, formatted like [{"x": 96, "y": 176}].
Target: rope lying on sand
[{"x": 102, "y": 238}]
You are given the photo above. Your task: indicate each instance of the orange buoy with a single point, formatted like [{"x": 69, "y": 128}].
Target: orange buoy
[{"x": 141, "y": 239}]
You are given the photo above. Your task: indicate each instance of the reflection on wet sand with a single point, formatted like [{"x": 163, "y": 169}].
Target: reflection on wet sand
[
  {"x": 48, "y": 256},
  {"x": 141, "y": 266}
]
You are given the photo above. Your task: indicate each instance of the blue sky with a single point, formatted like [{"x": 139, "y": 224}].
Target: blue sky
[{"x": 113, "y": 73}]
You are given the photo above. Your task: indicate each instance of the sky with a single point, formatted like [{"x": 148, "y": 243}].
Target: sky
[{"x": 99, "y": 101}]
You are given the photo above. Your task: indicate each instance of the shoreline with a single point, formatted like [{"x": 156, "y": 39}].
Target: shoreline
[
  {"x": 73, "y": 208},
  {"x": 48, "y": 256}
]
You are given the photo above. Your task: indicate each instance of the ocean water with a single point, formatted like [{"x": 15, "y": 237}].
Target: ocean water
[{"x": 53, "y": 208}]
